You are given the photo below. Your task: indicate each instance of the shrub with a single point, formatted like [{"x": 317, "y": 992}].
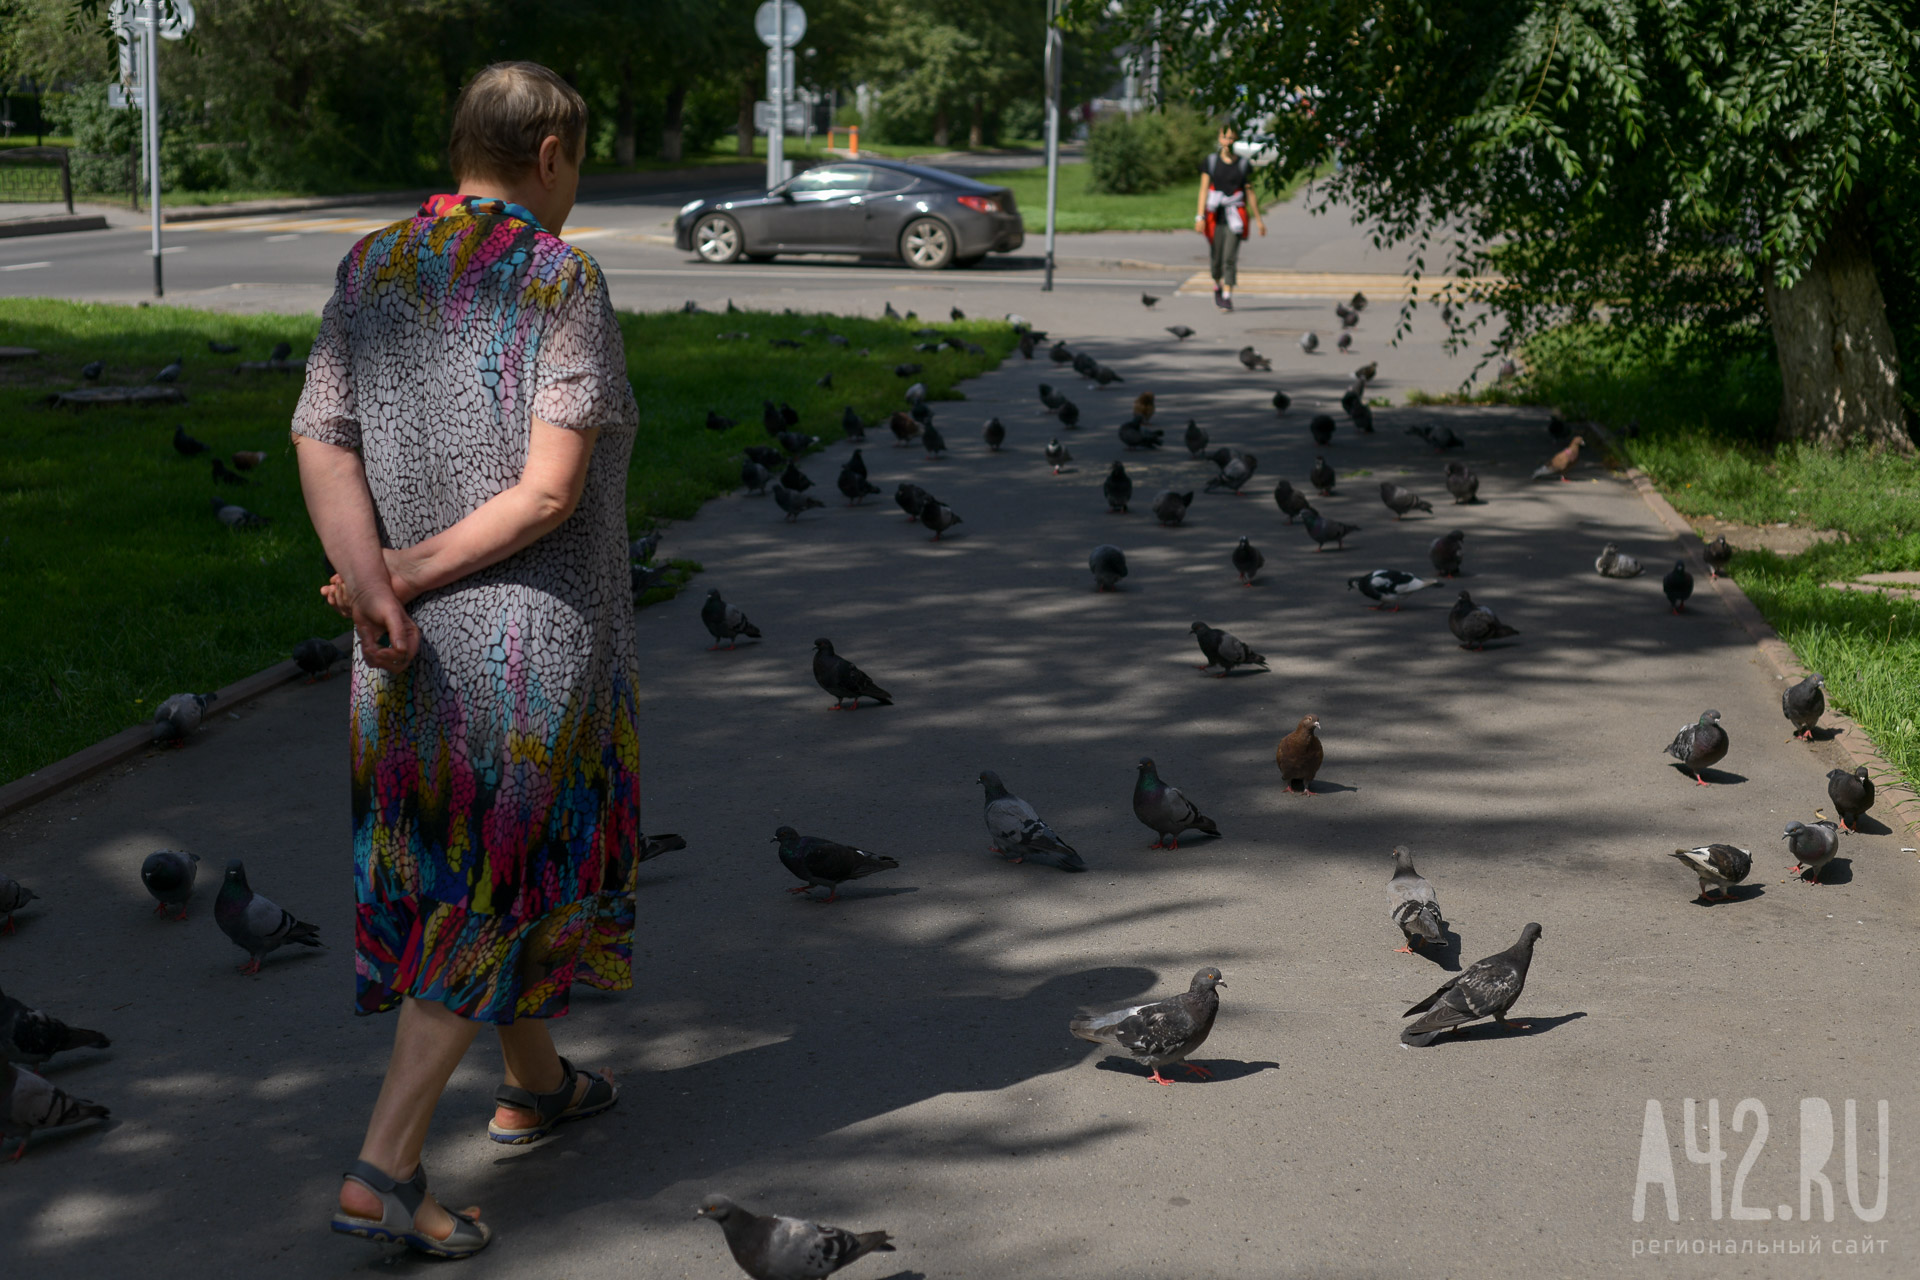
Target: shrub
[{"x": 1148, "y": 152}]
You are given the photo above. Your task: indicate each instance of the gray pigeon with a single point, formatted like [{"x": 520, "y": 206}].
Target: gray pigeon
[
  {"x": 1699, "y": 745},
  {"x": 855, "y": 486},
  {"x": 1195, "y": 437},
  {"x": 1224, "y": 650},
  {"x": 256, "y": 924},
  {"x": 1613, "y": 563},
  {"x": 1323, "y": 530},
  {"x": 1814, "y": 844},
  {"x": 1463, "y": 484},
  {"x": 995, "y": 434},
  {"x": 179, "y": 716},
  {"x": 169, "y": 877},
  {"x": 826, "y": 863},
  {"x": 911, "y": 497},
  {"x": 1247, "y": 561},
  {"x": 13, "y": 897},
  {"x": 1109, "y": 565},
  {"x": 1718, "y": 867},
  {"x": 1290, "y": 500},
  {"x": 1851, "y": 793},
  {"x": 30, "y": 1036},
  {"x": 1017, "y": 833},
  {"x": 1322, "y": 475},
  {"x": 28, "y": 1102},
  {"x": 1309, "y": 341},
  {"x": 938, "y": 516},
  {"x": 1445, "y": 553},
  {"x": 1486, "y": 989},
  {"x": 932, "y": 440},
  {"x": 1413, "y": 904},
  {"x": 1117, "y": 488},
  {"x": 1678, "y": 585},
  {"x": 1162, "y": 807},
  {"x": 724, "y": 622},
  {"x": 1473, "y": 625},
  {"x": 794, "y": 503},
  {"x": 235, "y": 516},
  {"x": 1238, "y": 470},
  {"x": 842, "y": 679},
  {"x": 1803, "y": 705},
  {"x": 1718, "y": 556},
  {"x": 1254, "y": 361},
  {"x": 316, "y": 657},
  {"x": 1170, "y": 508},
  {"x": 1162, "y": 1032},
  {"x": 774, "y": 1248},
  {"x": 170, "y": 372},
  {"x": 1057, "y": 455},
  {"x": 1401, "y": 501}
]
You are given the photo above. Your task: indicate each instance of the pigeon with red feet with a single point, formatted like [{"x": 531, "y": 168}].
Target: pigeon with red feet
[
  {"x": 256, "y": 924},
  {"x": 1162, "y": 1032},
  {"x": 1162, "y": 807}
]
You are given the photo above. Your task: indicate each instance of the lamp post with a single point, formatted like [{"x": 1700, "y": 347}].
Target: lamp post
[{"x": 1052, "y": 89}]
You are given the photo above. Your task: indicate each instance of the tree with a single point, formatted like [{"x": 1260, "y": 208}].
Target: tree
[{"x": 1724, "y": 167}]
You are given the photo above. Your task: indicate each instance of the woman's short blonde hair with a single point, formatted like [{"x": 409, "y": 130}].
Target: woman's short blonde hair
[{"x": 505, "y": 113}]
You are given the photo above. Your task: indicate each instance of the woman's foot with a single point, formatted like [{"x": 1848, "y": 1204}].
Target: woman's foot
[
  {"x": 519, "y": 1118},
  {"x": 432, "y": 1220}
]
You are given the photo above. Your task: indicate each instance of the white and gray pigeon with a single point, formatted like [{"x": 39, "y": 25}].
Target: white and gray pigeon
[
  {"x": 169, "y": 875},
  {"x": 768, "y": 1247},
  {"x": 1718, "y": 867},
  {"x": 1802, "y": 704},
  {"x": 1615, "y": 563},
  {"x": 1485, "y": 989},
  {"x": 1814, "y": 844},
  {"x": 1700, "y": 745},
  {"x": 1165, "y": 809},
  {"x": 1163, "y": 1032},
  {"x": 28, "y": 1102},
  {"x": 724, "y": 622},
  {"x": 13, "y": 897},
  {"x": 1413, "y": 904},
  {"x": 1224, "y": 650},
  {"x": 180, "y": 715},
  {"x": 30, "y": 1036},
  {"x": 1386, "y": 586},
  {"x": 1018, "y": 833},
  {"x": 256, "y": 924},
  {"x": 1109, "y": 565}
]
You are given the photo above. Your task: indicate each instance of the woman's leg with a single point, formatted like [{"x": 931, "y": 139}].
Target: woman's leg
[
  {"x": 428, "y": 1043},
  {"x": 533, "y": 1064},
  {"x": 1229, "y": 270},
  {"x": 1217, "y": 252}
]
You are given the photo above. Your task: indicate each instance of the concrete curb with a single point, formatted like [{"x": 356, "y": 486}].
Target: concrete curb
[
  {"x": 256, "y": 208},
  {"x": 52, "y": 225},
  {"x": 1853, "y": 741},
  {"x": 83, "y": 764}
]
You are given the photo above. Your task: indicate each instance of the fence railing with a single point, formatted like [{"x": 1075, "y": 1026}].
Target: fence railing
[{"x": 36, "y": 175}]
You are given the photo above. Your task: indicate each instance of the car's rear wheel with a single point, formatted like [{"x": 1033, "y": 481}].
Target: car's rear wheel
[
  {"x": 717, "y": 238},
  {"x": 927, "y": 244}
]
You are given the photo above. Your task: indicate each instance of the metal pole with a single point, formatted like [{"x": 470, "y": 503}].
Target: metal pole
[
  {"x": 777, "y": 96},
  {"x": 1053, "y": 132},
  {"x": 153, "y": 136}
]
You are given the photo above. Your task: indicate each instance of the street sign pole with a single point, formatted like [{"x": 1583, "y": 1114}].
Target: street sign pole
[
  {"x": 153, "y": 137},
  {"x": 1053, "y": 131},
  {"x": 777, "y": 95}
]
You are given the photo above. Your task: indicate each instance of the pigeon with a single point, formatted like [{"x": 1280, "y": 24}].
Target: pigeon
[
  {"x": 775, "y": 1248},
  {"x": 938, "y": 516},
  {"x": 1147, "y": 299},
  {"x": 1445, "y": 553},
  {"x": 1803, "y": 703},
  {"x": 1508, "y": 370},
  {"x": 907, "y": 370},
  {"x": 1180, "y": 331},
  {"x": 1085, "y": 365},
  {"x": 1557, "y": 428},
  {"x": 1195, "y": 437},
  {"x": 1350, "y": 399},
  {"x": 1027, "y": 343},
  {"x": 1057, "y": 454},
  {"x": 1281, "y": 402},
  {"x": 724, "y": 622},
  {"x": 1162, "y": 807},
  {"x": 995, "y": 434},
  {"x": 920, "y": 412},
  {"x": 653, "y": 846},
  {"x": 92, "y": 370},
  {"x": 28, "y": 1102},
  {"x": 1059, "y": 354},
  {"x": 316, "y": 657},
  {"x": 1170, "y": 508},
  {"x": 1224, "y": 650},
  {"x": 1247, "y": 560},
  {"x": 1299, "y": 755},
  {"x": 1069, "y": 414},
  {"x": 796, "y": 443},
  {"x": 223, "y": 476},
  {"x": 890, "y": 313},
  {"x": 856, "y": 463},
  {"x": 1487, "y": 988},
  {"x": 1321, "y": 429},
  {"x": 911, "y": 498},
  {"x": 642, "y": 579},
  {"x": 934, "y": 443},
  {"x": 169, "y": 877},
  {"x": 1016, "y": 832},
  {"x": 13, "y": 897},
  {"x": 1441, "y": 438},
  {"x": 1814, "y": 844},
  {"x": 903, "y": 426},
  {"x": 1362, "y": 415},
  {"x": 1161, "y": 1033},
  {"x": 1051, "y": 399},
  {"x": 281, "y": 350},
  {"x": 917, "y": 394},
  {"x": 1347, "y": 316},
  {"x": 1238, "y": 470},
  {"x": 1143, "y": 406},
  {"x": 1134, "y": 436},
  {"x": 765, "y": 456},
  {"x": 256, "y": 925},
  {"x": 842, "y": 679},
  {"x": 1105, "y": 377},
  {"x": 827, "y": 864},
  {"x": 1383, "y": 585},
  {"x": 179, "y": 716},
  {"x": 1401, "y": 501},
  {"x": 1851, "y": 793},
  {"x": 170, "y": 372},
  {"x": 1700, "y": 745},
  {"x": 1108, "y": 564},
  {"x": 1473, "y": 625},
  {"x": 1309, "y": 342},
  {"x": 1358, "y": 302},
  {"x": 1290, "y": 500},
  {"x": 1254, "y": 361},
  {"x": 1719, "y": 556},
  {"x": 185, "y": 445},
  {"x": 1117, "y": 487},
  {"x": 1322, "y": 475},
  {"x": 1367, "y": 372},
  {"x": 1560, "y": 463},
  {"x": 1611, "y": 563},
  {"x": 1323, "y": 530},
  {"x": 855, "y": 485},
  {"x": 235, "y": 516},
  {"x": 793, "y": 503},
  {"x": 1678, "y": 585},
  {"x": 1718, "y": 867},
  {"x": 718, "y": 422},
  {"x": 754, "y": 477},
  {"x": 771, "y": 419},
  {"x": 1413, "y": 904},
  {"x": 851, "y": 424},
  {"x": 1462, "y": 484},
  {"x": 30, "y": 1036},
  {"x": 956, "y": 314},
  {"x": 641, "y": 549},
  {"x": 248, "y": 459}
]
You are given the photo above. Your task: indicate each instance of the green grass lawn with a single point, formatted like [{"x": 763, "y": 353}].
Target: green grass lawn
[{"x": 119, "y": 587}]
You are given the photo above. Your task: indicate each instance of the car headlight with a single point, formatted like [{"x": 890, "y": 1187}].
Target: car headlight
[{"x": 690, "y": 206}]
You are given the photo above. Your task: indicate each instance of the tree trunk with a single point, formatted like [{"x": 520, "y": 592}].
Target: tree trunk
[
  {"x": 743, "y": 129},
  {"x": 1839, "y": 371},
  {"x": 624, "y": 124},
  {"x": 672, "y": 130},
  {"x": 977, "y": 127},
  {"x": 940, "y": 131}
]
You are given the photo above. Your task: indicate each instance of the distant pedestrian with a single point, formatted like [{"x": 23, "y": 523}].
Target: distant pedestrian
[{"x": 1226, "y": 202}]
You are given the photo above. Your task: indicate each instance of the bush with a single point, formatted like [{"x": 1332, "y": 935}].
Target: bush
[
  {"x": 103, "y": 139},
  {"x": 1149, "y": 152}
]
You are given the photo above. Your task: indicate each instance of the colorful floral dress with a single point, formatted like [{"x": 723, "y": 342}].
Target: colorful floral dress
[{"x": 496, "y": 782}]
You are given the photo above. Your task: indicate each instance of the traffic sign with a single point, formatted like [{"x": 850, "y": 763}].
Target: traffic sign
[
  {"x": 174, "y": 24},
  {"x": 765, "y": 116},
  {"x": 784, "y": 71},
  {"x": 764, "y": 22}
]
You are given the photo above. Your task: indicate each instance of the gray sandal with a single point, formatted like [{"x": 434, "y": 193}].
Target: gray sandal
[
  {"x": 399, "y": 1201},
  {"x": 553, "y": 1108}
]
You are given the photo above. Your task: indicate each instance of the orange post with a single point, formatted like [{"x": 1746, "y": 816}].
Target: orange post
[{"x": 853, "y": 139}]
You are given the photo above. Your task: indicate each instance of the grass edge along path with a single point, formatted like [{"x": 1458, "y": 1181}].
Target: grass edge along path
[{"x": 120, "y": 588}]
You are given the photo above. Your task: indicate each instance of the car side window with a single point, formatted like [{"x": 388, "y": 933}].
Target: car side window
[
  {"x": 831, "y": 178},
  {"x": 889, "y": 180}
]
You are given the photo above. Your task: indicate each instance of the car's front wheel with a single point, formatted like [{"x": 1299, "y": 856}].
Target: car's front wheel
[
  {"x": 717, "y": 238},
  {"x": 927, "y": 244}
]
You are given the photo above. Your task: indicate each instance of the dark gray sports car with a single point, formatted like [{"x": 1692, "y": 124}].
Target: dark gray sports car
[{"x": 927, "y": 217}]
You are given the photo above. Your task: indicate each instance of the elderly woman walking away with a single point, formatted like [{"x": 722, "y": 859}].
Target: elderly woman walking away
[
  {"x": 463, "y": 441},
  {"x": 1226, "y": 201}
]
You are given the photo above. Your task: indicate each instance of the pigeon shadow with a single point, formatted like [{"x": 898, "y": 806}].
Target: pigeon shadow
[
  {"x": 1871, "y": 826},
  {"x": 1321, "y": 787},
  {"x": 850, "y": 894},
  {"x": 1447, "y": 954},
  {"x": 1838, "y": 871},
  {"x": 1506, "y": 1031},
  {"x": 1240, "y": 673},
  {"x": 1718, "y": 777},
  {"x": 1220, "y": 1069},
  {"x": 1735, "y": 894}
]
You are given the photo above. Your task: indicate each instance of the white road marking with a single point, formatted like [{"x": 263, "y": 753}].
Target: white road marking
[{"x": 25, "y": 266}]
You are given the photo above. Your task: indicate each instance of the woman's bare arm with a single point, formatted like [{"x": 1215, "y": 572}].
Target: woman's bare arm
[
  {"x": 1200, "y": 210},
  {"x": 341, "y": 508}
]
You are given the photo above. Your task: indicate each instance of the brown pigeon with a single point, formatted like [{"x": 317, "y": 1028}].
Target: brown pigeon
[
  {"x": 1562, "y": 462},
  {"x": 1143, "y": 406},
  {"x": 1299, "y": 755}
]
